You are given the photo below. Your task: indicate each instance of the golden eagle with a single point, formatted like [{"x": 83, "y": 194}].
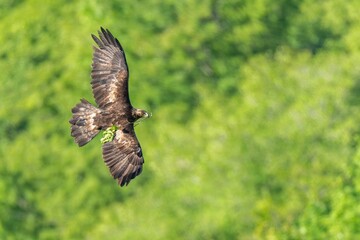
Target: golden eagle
[{"x": 114, "y": 113}]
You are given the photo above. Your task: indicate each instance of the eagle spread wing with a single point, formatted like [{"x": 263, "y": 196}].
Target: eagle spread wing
[
  {"x": 110, "y": 75},
  {"x": 109, "y": 72},
  {"x": 123, "y": 156},
  {"x": 121, "y": 149}
]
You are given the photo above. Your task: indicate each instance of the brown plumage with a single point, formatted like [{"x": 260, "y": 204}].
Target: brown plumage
[{"x": 110, "y": 74}]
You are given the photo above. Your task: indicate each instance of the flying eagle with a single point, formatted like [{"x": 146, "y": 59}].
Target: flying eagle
[{"x": 114, "y": 113}]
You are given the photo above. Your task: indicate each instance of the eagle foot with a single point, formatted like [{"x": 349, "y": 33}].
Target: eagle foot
[{"x": 108, "y": 134}]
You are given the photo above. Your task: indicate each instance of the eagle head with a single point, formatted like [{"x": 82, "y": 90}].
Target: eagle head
[{"x": 139, "y": 113}]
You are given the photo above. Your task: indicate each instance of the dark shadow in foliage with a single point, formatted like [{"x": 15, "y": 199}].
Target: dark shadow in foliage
[
  {"x": 6, "y": 7},
  {"x": 22, "y": 215},
  {"x": 353, "y": 98},
  {"x": 9, "y": 130}
]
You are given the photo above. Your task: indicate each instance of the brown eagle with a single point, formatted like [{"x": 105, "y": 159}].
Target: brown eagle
[{"x": 114, "y": 113}]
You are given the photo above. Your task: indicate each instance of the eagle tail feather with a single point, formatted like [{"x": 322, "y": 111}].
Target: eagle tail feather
[{"x": 83, "y": 122}]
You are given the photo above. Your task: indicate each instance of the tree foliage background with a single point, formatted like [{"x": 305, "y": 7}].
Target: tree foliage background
[{"x": 255, "y": 128}]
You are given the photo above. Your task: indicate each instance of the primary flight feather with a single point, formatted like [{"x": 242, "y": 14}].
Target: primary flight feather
[{"x": 114, "y": 113}]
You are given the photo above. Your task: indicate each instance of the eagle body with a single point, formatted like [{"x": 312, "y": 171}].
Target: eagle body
[{"x": 122, "y": 153}]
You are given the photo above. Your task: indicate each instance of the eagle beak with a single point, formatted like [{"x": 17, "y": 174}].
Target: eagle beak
[{"x": 147, "y": 115}]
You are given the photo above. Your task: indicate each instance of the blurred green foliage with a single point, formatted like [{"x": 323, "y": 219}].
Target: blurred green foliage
[{"x": 255, "y": 128}]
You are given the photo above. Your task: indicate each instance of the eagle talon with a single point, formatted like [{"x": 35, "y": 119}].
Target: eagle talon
[{"x": 108, "y": 134}]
